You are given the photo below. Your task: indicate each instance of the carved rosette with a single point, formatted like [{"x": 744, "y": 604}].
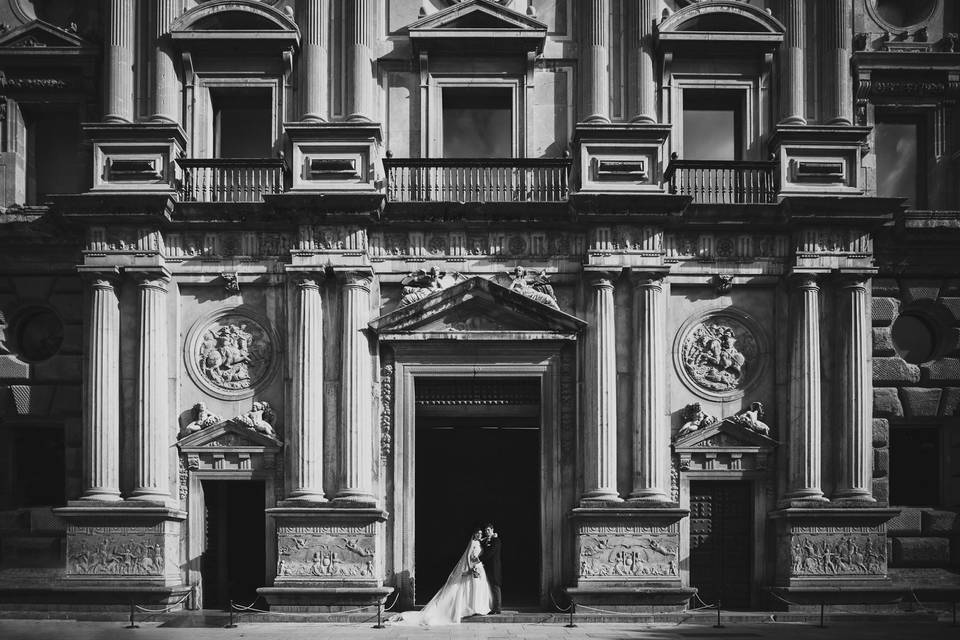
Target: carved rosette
[
  {"x": 326, "y": 552},
  {"x": 231, "y": 353},
  {"x": 721, "y": 354}
]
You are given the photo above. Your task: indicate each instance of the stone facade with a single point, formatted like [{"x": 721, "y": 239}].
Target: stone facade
[{"x": 184, "y": 313}]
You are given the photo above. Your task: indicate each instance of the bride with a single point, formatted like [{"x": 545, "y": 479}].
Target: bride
[{"x": 465, "y": 593}]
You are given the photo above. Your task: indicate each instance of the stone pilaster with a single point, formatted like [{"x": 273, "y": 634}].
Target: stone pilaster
[
  {"x": 643, "y": 102},
  {"x": 838, "y": 106},
  {"x": 306, "y": 433},
  {"x": 314, "y": 73},
  {"x": 600, "y": 437},
  {"x": 651, "y": 450},
  {"x": 120, "y": 39},
  {"x": 804, "y": 482},
  {"x": 356, "y": 413},
  {"x": 595, "y": 72},
  {"x": 101, "y": 411},
  {"x": 792, "y": 78},
  {"x": 856, "y": 464},
  {"x": 152, "y": 471},
  {"x": 361, "y": 22},
  {"x": 166, "y": 89}
]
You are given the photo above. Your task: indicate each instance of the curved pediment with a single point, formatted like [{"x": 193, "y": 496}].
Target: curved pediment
[
  {"x": 478, "y": 24},
  {"x": 718, "y": 25},
  {"x": 477, "y": 309},
  {"x": 233, "y": 20}
]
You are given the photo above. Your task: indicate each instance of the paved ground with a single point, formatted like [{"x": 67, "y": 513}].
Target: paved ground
[{"x": 70, "y": 630}]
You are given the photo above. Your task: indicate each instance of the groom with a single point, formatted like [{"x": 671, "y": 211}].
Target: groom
[{"x": 490, "y": 557}]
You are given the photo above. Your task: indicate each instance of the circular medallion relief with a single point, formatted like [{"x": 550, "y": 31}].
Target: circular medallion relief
[
  {"x": 230, "y": 353},
  {"x": 720, "y": 354}
]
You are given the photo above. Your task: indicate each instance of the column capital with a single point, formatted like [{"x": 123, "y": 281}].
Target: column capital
[
  {"x": 152, "y": 278},
  {"x": 100, "y": 277},
  {"x": 853, "y": 279},
  {"x": 653, "y": 278},
  {"x": 602, "y": 279},
  {"x": 806, "y": 280},
  {"x": 360, "y": 279},
  {"x": 307, "y": 278}
]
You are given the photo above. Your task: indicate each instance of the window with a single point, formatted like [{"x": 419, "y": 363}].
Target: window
[
  {"x": 915, "y": 466},
  {"x": 242, "y": 123},
  {"x": 898, "y": 141},
  {"x": 30, "y": 449},
  {"x": 712, "y": 124},
  {"x": 49, "y": 140},
  {"x": 477, "y": 122}
]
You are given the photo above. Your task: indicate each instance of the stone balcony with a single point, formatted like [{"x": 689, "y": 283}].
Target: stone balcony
[
  {"x": 723, "y": 181},
  {"x": 230, "y": 179}
]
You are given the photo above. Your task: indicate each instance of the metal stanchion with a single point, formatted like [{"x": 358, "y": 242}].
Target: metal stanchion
[
  {"x": 573, "y": 607},
  {"x": 232, "y": 625},
  {"x": 133, "y": 623},
  {"x": 379, "y": 624},
  {"x": 821, "y": 616},
  {"x": 718, "y": 625}
]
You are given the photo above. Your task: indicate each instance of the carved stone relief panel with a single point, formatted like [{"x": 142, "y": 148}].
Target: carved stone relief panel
[
  {"x": 116, "y": 551},
  {"x": 725, "y": 247},
  {"x": 458, "y": 245},
  {"x": 618, "y": 552},
  {"x": 833, "y": 551},
  {"x": 326, "y": 552}
]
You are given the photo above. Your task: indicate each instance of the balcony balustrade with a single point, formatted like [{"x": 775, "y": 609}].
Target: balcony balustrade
[
  {"x": 477, "y": 180},
  {"x": 723, "y": 181},
  {"x": 230, "y": 179}
]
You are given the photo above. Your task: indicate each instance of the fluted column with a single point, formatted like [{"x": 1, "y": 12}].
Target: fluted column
[
  {"x": 306, "y": 434},
  {"x": 805, "y": 398},
  {"x": 101, "y": 411},
  {"x": 792, "y": 77},
  {"x": 152, "y": 439},
  {"x": 595, "y": 72},
  {"x": 600, "y": 450},
  {"x": 856, "y": 465},
  {"x": 314, "y": 72},
  {"x": 356, "y": 428},
  {"x": 838, "y": 107},
  {"x": 643, "y": 102},
  {"x": 362, "y": 18},
  {"x": 651, "y": 450},
  {"x": 166, "y": 90},
  {"x": 120, "y": 36}
]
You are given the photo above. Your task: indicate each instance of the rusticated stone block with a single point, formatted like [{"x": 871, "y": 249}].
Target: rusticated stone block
[
  {"x": 31, "y": 400},
  {"x": 955, "y": 551},
  {"x": 885, "y": 287},
  {"x": 881, "y": 462},
  {"x": 908, "y": 523},
  {"x": 917, "y": 290},
  {"x": 67, "y": 400},
  {"x": 919, "y": 402},
  {"x": 940, "y": 523},
  {"x": 944, "y": 370},
  {"x": 883, "y": 342},
  {"x": 886, "y": 402},
  {"x": 12, "y": 368},
  {"x": 895, "y": 371},
  {"x": 60, "y": 368},
  {"x": 921, "y": 552},
  {"x": 953, "y": 306},
  {"x": 884, "y": 310},
  {"x": 881, "y": 491},
  {"x": 950, "y": 401},
  {"x": 881, "y": 432}
]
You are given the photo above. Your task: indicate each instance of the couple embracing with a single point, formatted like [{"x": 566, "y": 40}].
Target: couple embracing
[{"x": 473, "y": 587}]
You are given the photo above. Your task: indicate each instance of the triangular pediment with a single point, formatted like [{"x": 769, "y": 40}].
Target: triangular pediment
[
  {"x": 726, "y": 435},
  {"x": 227, "y": 435},
  {"x": 478, "y": 308},
  {"x": 479, "y": 21},
  {"x": 41, "y": 35}
]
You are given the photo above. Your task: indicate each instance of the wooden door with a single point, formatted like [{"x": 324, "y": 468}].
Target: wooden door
[{"x": 721, "y": 541}]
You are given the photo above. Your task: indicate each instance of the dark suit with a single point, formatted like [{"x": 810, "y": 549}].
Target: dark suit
[{"x": 490, "y": 557}]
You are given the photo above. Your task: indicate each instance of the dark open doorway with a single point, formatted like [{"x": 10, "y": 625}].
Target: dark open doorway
[
  {"x": 470, "y": 470},
  {"x": 235, "y": 552},
  {"x": 721, "y": 531}
]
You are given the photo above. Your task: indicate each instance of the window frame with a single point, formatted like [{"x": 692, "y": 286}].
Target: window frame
[
  {"x": 433, "y": 133},
  {"x": 946, "y": 497},
  {"x": 201, "y": 113},
  {"x": 922, "y": 116},
  {"x": 754, "y": 108}
]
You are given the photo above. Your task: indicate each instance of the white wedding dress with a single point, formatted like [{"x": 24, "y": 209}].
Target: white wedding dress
[{"x": 461, "y": 596}]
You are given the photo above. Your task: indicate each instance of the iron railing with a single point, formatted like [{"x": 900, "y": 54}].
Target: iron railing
[
  {"x": 723, "y": 181},
  {"x": 230, "y": 179},
  {"x": 477, "y": 180}
]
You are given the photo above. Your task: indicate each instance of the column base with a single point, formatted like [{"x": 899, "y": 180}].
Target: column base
[
  {"x": 97, "y": 496},
  {"x": 599, "y": 498},
  {"x": 356, "y": 500},
  {"x": 305, "y": 499},
  {"x": 854, "y": 498}
]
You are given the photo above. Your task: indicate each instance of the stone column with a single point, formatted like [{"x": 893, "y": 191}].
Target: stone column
[
  {"x": 361, "y": 20},
  {"x": 595, "y": 72},
  {"x": 856, "y": 465},
  {"x": 792, "y": 77},
  {"x": 166, "y": 90},
  {"x": 600, "y": 441},
  {"x": 101, "y": 411},
  {"x": 356, "y": 426},
  {"x": 152, "y": 440},
  {"x": 805, "y": 405},
  {"x": 651, "y": 450},
  {"x": 306, "y": 434},
  {"x": 120, "y": 37},
  {"x": 314, "y": 72},
  {"x": 643, "y": 103},
  {"x": 838, "y": 107}
]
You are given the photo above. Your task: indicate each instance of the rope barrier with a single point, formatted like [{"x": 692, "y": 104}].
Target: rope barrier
[
  {"x": 558, "y": 607},
  {"x": 151, "y": 612}
]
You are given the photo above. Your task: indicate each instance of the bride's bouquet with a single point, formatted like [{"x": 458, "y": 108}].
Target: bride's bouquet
[{"x": 473, "y": 572}]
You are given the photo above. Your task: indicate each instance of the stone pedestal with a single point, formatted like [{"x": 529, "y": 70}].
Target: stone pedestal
[
  {"x": 334, "y": 156},
  {"x": 628, "y": 559},
  {"x": 328, "y": 559},
  {"x": 832, "y": 555}
]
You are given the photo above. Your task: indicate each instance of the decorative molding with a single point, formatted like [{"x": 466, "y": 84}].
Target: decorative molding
[
  {"x": 322, "y": 553},
  {"x": 627, "y": 551}
]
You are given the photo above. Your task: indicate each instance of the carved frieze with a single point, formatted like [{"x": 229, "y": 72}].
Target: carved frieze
[
  {"x": 831, "y": 551},
  {"x": 720, "y": 354},
  {"x": 180, "y": 246},
  {"x": 627, "y": 552},
  {"x": 387, "y": 368},
  {"x": 326, "y": 552},
  {"x": 124, "y": 240},
  {"x": 460, "y": 245},
  {"x": 725, "y": 247},
  {"x": 338, "y": 238},
  {"x": 115, "y": 551},
  {"x": 230, "y": 354}
]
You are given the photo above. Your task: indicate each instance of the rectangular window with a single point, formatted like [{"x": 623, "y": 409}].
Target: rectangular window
[
  {"x": 898, "y": 141},
  {"x": 242, "y": 122},
  {"x": 51, "y": 164},
  {"x": 915, "y": 466},
  {"x": 712, "y": 124},
  {"x": 477, "y": 122}
]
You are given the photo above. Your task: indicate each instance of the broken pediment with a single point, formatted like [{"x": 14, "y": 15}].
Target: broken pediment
[
  {"x": 481, "y": 24},
  {"x": 724, "y": 446},
  {"x": 227, "y": 434},
  {"x": 41, "y": 35},
  {"x": 228, "y": 446},
  {"x": 477, "y": 308}
]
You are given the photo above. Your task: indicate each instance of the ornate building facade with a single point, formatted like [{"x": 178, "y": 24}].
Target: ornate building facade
[{"x": 294, "y": 293}]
